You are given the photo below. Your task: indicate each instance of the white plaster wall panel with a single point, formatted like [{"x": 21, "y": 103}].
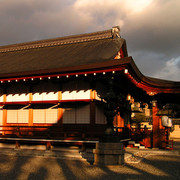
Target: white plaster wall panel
[
  {"x": 51, "y": 116},
  {"x": 17, "y": 97},
  {"x": 49, "y": 96},
  {"x": 45, "y": 96},
  {"x": 100, "y": 117},
  {"x": 38, "y": 116},
  {"x": 77, "y": 89},
  {"x": 74, "y": 95},
  {"x": 69, "y": 115},
  {"x": 68, "y": 95},
  {"x": 83, "y": 114},
  {"x": 1, "y": 98},
  {"x": 23, "y": 116},
  {"x": 12, "y": 116},
  {"x": 37, "y": 97},
  {"x": 22, "y": 97},
  {"x": 9, "y": 98},
  {"x": 83, "y": 94}
]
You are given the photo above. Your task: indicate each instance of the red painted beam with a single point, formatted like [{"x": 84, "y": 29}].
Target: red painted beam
[
  {"x": 62, "y": 74},
  {"x": 43, "y": 102}
]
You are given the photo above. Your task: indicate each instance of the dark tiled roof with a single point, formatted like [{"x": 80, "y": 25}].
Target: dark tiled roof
[
  {"x": 73, "y": 53},
  {"x": 57, "y": 53}
]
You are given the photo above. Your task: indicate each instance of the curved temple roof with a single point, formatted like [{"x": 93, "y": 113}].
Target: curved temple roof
[
  {"x": 85, "y": 52},
  {"x": 58, "y": 53}
]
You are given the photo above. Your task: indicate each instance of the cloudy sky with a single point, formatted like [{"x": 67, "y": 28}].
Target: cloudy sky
[{"x": 150, "y": 27}]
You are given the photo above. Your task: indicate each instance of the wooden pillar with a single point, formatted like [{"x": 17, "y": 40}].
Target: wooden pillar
[
  {"x": 60, "y": 116},
  {"x": 30, "y": 122},
  {"x": 30, "y": 117},
  {"x": 155, "y": 118},
  {"x": 4, "y": 111},
  {"x": 60, "y": 110},
  {"x": 30, "y": 110},
  {"x": 92, "y": 107},
  {"x": 4, "y": 120}
]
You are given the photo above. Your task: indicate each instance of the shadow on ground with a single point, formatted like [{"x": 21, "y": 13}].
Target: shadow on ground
[{"x": 41, "y": 168}]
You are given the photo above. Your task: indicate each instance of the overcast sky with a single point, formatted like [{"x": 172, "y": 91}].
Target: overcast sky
[{"x": 150, "y": 27}]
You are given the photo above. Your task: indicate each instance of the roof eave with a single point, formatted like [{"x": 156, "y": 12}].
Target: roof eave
[{"x": 134, "y": 75}]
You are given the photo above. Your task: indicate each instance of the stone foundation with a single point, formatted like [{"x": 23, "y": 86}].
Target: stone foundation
[{"x": 108, "y": 154}]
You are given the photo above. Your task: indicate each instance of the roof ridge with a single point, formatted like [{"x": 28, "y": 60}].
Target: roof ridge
[{"x": 59, "y": 41}]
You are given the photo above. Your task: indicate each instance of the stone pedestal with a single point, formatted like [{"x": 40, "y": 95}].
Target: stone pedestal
[{"x": 108, "y": 154}]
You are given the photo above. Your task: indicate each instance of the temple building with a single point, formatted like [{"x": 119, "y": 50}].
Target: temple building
[{"x": 59, "y": 88}]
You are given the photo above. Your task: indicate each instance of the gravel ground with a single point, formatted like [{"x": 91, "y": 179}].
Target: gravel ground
[
  {"x": 32, "y": 165},
  {"x": 51, "y": 168}
]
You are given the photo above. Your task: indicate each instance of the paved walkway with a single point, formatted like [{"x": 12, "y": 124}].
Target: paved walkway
[{"x": 36, "y": 163}]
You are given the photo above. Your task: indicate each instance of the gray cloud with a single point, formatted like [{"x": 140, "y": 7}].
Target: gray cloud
[
  {"x": 157, "y": 28},
  {"x": 170, "y": 69},
  {"x": 150, "y": 27},
  {"x": 31, "y": 20}
]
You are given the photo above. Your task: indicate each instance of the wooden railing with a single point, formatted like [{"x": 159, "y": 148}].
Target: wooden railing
[
  {"x": 49, "y": 135},
  {"x": 53, "y": 132}
]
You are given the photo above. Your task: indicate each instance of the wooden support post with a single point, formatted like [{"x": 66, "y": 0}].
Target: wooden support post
[
  {"x": 4, "y": 121},
  {"x": 60, "y": 116},
  {"x": 30, "y": 109},
  {"x": 30, "y": 117},
  {"x": 4, "y": 112},
  {"x": 30, "y": 122},
  {"x": 60, "y": 110},
  {"x": 92, "y": 107},
  {"x": 156, "y": 135}
]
